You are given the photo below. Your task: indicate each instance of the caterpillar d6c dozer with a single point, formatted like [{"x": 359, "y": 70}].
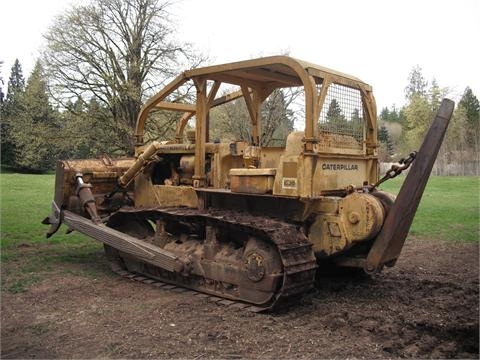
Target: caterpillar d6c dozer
[{"x": 242, "y": 221}]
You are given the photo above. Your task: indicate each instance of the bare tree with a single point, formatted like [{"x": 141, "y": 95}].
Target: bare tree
[
  {"x": 232, "y": 120},
  {"x": 116, "y": 51},
  {"x": 277, "y": 119}
]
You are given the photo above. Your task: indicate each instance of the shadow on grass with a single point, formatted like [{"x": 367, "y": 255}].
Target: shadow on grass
[{"x": 6, "y": 169}]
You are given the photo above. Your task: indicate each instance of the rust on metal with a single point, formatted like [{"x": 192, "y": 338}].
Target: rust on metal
[
  {"x": 254, "y": 272},
  {"x": 396, "y": 170},
  {"x": 390, "y": 241},
  {"x": 237, "y": 220}
]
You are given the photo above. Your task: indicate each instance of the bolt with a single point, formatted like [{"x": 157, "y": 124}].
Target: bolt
[{"x": 354, "y": 217}]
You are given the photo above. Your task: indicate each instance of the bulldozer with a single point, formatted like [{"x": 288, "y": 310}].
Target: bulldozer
[{"x": 240, "y": 220}]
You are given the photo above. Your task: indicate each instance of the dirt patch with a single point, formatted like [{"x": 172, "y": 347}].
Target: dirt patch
[{"x": 424, "y": 307}]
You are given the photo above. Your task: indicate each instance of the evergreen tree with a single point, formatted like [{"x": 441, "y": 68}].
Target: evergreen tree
[
  {"x": 393, "y": 115},
  {"x": 34, "y": 129},
  {"x": 74, "y": 142},
  {"x": 334, "y": 112},
  {"x": 357, "y": 124},
  {"x": 471, "y": 106},
  {"x": 383, "y": 134},
  {"x": 385, "y": 139},
  {"x": 16, "y": 84},
  {"x": 335, "y": 120},
  {"x": 36, "y": 97},
  {"x": 417, "y": 85},
  {"x": 390, "y": 146},
  {"x": 384, "y": 114},
  {"x": 356, "y": 115},
  {"x": 11, "y": 108},
  {"x": 97, "y": 125},
  {"x": 2, "y": 95}
]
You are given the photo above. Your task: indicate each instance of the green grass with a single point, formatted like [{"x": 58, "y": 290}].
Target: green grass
[
  {"x": 26, "y": 254},
  {"x": 449, "y": 209},
  {"x": 21, "y": 285},
  {"x": 25, "y": 202}
]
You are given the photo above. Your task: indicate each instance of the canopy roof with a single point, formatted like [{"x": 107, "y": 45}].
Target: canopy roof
[
  {"x": 276, "y": 71},
  {"x": 259, "y": 76}
]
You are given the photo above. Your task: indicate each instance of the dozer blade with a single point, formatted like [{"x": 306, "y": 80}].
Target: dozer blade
[
  {"x": 389, "y": 243},
  {"x": 123, "y": 242}
]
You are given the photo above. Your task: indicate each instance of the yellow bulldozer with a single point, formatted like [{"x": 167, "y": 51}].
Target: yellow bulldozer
[{"x": 239, "y": 220}]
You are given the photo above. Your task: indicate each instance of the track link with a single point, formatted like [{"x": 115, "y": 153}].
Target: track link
[
  {"x": 232, "y": 304},
  {"x": 295, "y": 251}
]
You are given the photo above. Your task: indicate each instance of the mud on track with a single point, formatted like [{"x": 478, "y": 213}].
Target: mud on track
[{"x": 425, "y": 307}]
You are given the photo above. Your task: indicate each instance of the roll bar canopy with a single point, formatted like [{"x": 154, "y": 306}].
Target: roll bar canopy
[{"x": 257, "y": 78}]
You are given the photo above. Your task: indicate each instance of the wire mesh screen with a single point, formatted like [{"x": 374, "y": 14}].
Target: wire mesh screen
[{"x": 341, "y": 121}]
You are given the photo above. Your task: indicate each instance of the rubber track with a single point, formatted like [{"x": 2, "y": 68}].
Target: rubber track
[{"x": 298, "y": 260}]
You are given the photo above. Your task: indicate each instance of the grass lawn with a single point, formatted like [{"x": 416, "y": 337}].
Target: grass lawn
[
  {"x": 449, "y": 209},
  {"x": 25, "y": 202}
]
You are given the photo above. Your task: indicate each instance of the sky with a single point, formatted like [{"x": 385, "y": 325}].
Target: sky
[{"x": 377, "y": 41}]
